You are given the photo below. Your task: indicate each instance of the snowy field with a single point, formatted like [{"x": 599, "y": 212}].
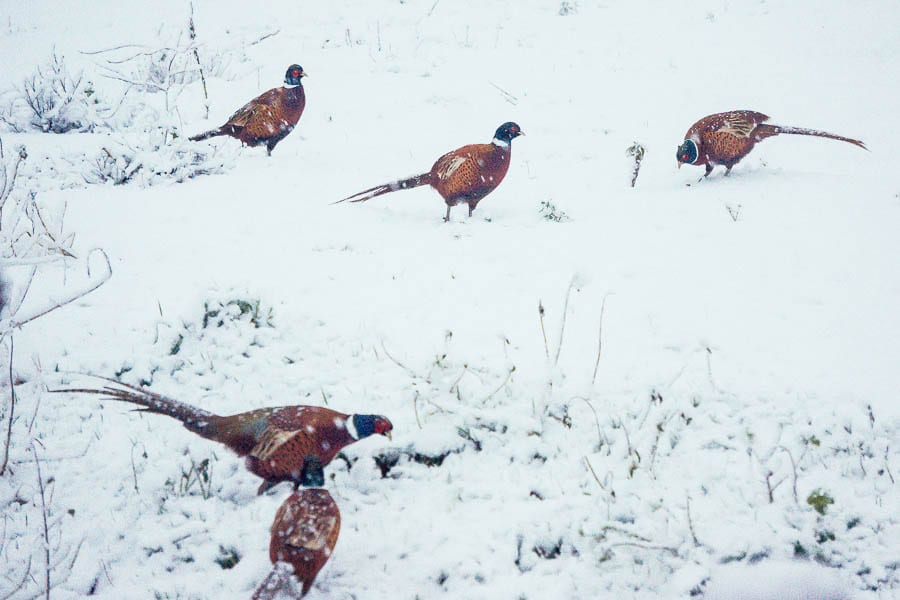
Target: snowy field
[{"x": 736, "y": 435}]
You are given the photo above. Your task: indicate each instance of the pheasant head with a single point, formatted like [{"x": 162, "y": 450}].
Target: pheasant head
[
  {"x": 506, "y": 133},
  {"x": 362, "y": 426},
  {"x": 293, "y": 75},
  {"x": 687, "y": 153}
]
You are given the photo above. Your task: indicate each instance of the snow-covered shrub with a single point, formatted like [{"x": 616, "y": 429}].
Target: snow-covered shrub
[
  {"x": 54, "y": 100},
  {"x": 568, "y": 7},
  {"x": 151, "y": 161},
  {"x": 550, "y": 212},
  {"x": 636, "y": 152}
]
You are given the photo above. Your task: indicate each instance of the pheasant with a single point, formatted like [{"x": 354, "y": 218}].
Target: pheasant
[
  {"x": 304, "y": 534},
  {"x": 269, "y": 117},
  {"x": 465, "y": 175},
  {"x": 274, "y": 440},
  {"x": 726, "y": 138}
]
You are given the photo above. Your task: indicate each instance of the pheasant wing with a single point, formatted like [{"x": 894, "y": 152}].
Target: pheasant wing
[
  {"x": 739, "y": 123},
  {"x": 261, "y": 107}
]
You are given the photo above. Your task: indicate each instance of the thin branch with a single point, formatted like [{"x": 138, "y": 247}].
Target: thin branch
[
  {"x": 502, "y": 385},
  {"x": 669, "y": 549},
  {"x": 600, "y": 439},
  {"x": 416, "y": 409},
  {"x": 411, "y": 373},
  {"x": 599, "y": 340},
  {"x": 794, "y": 467},
  {"x": 562, "y": 327},
  {"x": 12, "y": 410},
  {"x": 264, "y": 37},
  {"x": 506, "y": 95},
  {"x": 21, "y": 583},
  {"x": 37, "y": 464},
  {"x": 67, "y": 299},
  {"x": 691, "y": 522},
  {"x": 543, "y": 329}
]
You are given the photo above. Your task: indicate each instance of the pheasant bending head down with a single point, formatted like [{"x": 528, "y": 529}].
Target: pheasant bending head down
[
  {"x": 463, "y": 176},
  {"x": 303, "y": 536},
  {"x": 725, "y": 138}
]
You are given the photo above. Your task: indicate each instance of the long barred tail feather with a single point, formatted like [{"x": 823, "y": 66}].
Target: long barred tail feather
[
  {"x": 207, "y": 134},
  {"x": 765, "y": 130},
  {"x": 386, "y": 188},
  {"x": 195, "y": 419}
]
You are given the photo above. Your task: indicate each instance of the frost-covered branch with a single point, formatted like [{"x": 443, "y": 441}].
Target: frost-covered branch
[{"x": 52, "y": 304}]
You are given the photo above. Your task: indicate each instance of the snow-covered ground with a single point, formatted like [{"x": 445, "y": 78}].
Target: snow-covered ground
[{"x": 749, "y": 324}]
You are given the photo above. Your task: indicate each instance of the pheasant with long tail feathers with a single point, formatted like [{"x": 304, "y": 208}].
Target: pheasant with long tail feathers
[
  {"x": 274, "y": 441},
  {"x": 463, "y": 176},
  {"x": 725, "y": 138},
  {"x": 268, "y": 118}
]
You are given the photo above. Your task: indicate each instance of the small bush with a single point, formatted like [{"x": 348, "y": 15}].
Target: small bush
[
  {"x": 54, "y": 100},
  {"x": 550, "y": 212},
  {"x": 820, "y": 501}
]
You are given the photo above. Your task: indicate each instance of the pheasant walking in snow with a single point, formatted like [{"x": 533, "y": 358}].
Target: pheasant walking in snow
[
  {"x": 726, "y": 138},
  {"x": 274, "y": 441},
  {"x": 268, "y": 118},
  {"x": 465, "y": 175},
  {"x": 303, "y": 536}
]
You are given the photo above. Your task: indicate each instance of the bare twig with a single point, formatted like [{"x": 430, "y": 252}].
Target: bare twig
[
  {"x": 543, "y": 330},
  {"x": 600, "y": 439},
  {"x": 691, "y": 522},
  {"x": 502, "y": 385},
  {"x": 193, "y": 34},
  {"x": 599, "y": 339},
  {"x": 134, "y": 468},
  {"x": 794, "y": 468},
  {"x": 264, "y": 37},
  {"x": 562, "y": 325},
  {"x": 37, "y": 464},
  {"x": 887, "y": 463},
  {"x": 506, "y": 95},
  {"x": 594, "y": 473},
  {"x": 398, "y": 363},
  {"x": 416, "y": 409},
  {"x": 25, "y": 577},
  {"x": 59, "y": 303},
  {"x": 669, "y": 549},
  {"x": 12, "y": 410}
]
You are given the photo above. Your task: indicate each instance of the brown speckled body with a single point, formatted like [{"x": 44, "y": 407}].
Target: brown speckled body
[
  {"x": 465, "y": 175},
  {"x": 725, "y": 138},
  {"x": 305, "y": 532},
  {"x": 274, "y": 440},
  {"x": 277, "y": 439},
  {"x": 470, "y": 173},
  {"x": 266, "y": 119}
]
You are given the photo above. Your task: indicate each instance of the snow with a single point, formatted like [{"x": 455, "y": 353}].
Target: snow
[{"x": 749, "y": 333}]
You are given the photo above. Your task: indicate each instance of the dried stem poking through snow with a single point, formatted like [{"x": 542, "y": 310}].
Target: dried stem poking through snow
[
  {"x": 55, "y": 303},
  {"x": 12, "y": 410},
  {"x": 599, "y": 339},
  {"x": 37, "y": 466}
]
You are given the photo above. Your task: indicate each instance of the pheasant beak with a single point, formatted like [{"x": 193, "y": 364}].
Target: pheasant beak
[
  {"x": 388, "y": 435},
  {"x": 679, "y": 164}
]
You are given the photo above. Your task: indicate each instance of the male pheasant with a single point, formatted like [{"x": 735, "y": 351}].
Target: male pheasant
[
  {"x": 465, "y": 175},
  {"x": 269, "y": 117},
  {"x": 303, "y": 536},
  {"x": 274, "y": 440},
  {"x": 726, "y": 138}
]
